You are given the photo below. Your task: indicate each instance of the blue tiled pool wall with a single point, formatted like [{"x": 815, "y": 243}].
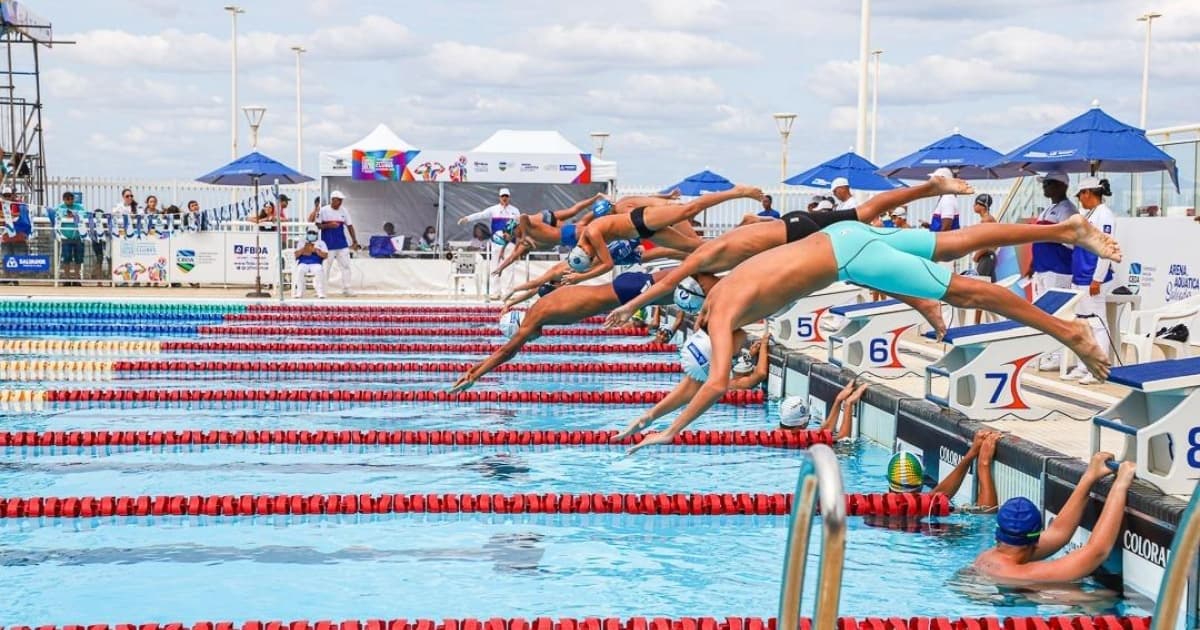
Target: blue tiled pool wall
[{"x": 941, "y": 436}]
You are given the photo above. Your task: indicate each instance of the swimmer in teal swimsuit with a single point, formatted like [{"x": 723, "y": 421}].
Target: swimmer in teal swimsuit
[{"x": 894, "y": 261}]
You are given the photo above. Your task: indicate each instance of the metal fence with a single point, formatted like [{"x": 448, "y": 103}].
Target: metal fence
[{"x": 97, "y": 193}]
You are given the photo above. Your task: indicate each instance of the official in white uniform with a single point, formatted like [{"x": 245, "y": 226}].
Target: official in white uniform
[
  {"x": 1051, "y": 268},
  {"x": 310, "y": 259},
  {"x": 500, "y": 215},
  {"x": 334, "y": 221},
  {"x": 1091, "y": 275},
  {"x": 840, "y": 187},
  {"x": 945, "y": 214}
]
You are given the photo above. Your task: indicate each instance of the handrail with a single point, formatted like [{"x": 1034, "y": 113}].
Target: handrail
[
  {"x": 820, "y": 480},
  {"x": 1175, "y": 578}
]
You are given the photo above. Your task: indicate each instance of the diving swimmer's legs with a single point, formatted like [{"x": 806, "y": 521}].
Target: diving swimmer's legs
[
  {"x": 876, "y": 206},
  {"x": 1074, "y": 231},
  {"x": 663, "y": 216}
]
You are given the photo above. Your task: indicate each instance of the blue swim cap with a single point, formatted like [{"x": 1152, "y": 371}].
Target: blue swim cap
[
  {"x": 545, "y": 289},
  {"x": 623, "y": 253},
  {"x": 1018, "y": 522},
  {"x": 601, "y": 207}
]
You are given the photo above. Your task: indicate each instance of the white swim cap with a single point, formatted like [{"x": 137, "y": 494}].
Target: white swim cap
[
  {"x": 510, "y": 322},
  {"x": 694, "y": 354},
  {"x": 689, "y": 296},
  {"x": 744, "y": 363},
  {"x": 579, "y": 260},
  {"x": 793, "y": 412}
]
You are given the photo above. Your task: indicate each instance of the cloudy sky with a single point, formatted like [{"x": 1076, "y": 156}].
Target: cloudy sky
[{"x": 681, "y": 84}]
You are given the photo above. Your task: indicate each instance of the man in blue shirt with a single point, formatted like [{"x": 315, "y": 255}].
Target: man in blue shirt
[
  {"x": 768, "y": 212},
  {"x": 67, "y": 219}
]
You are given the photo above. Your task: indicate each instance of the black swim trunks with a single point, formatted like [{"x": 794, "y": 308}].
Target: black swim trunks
[
  {"x": 638, "y": 216},
  {"x": 800, "y": 224}
]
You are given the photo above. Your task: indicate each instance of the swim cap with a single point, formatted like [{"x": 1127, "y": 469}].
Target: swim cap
[
  {"x": 793, "y": 412},
  {"x": 744, "y": 363},
  {"x": 579, "y": 260},
  {"x": 510, "y": 226},
  {"x": 1018, "y": 522},
  {"x": 548, "y": 218},
  {"x": 499, "y": 238},
  {"x": 510, "y": 322},
  {"x": 624, "y": 252},
  {"x": 905, "y": 473},
  {"x": 689, "y": 296},
  {"x": 694, "y": 355},
  {"x": 601, "y": 207},
  {"x": 546, "y": 288}
]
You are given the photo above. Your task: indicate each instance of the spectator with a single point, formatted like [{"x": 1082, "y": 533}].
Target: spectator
[
  {"x": 900, "y": 217},
  {"x": 312, "y": 216},
  {"x": 428, "y": 241},
  {"x": 386, "y": 245},
  {"x": 193, "y": 220},
  {"x": 284, "y": 201},
  {"x": 151, "y": 205},
  {"x": 310, "y": 258},
  {"x": 98, "y": 235},
  {"x": 67, "y": 218},
  {"x": 945, "y": 214},
  {"x": 840, "y": 187},
  {"x": 824, "y": 205},
  {"x": 15, "y": 226},
  {"x": 985, "y": 259},
  {"x": 334, "y": 221},
  {"x": 267, "y": 217},
  {"x": 480, "y": 237},
  {"x": 767, "y": 211},
  {"x": 813, "y": 201}
]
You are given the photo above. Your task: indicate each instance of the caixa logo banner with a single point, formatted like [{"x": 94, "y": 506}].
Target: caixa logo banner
[{"x": 26, "y": 264}]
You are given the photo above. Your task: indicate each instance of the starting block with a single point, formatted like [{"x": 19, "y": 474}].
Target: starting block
[
  {"x": 1160, "y": 418},
  {"x": 868, "y": 340},
  {"x": 801, "y": 323},
  {"x": 983, "y": 369}
]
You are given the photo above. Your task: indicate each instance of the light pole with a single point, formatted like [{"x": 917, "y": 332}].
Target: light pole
[
  {"x": 299, "y": 50},
  {"x": 877, "y": 53},
  {"x": 783, "y": 122},
  {"x": 254, "y": 116},
  {"x": 864, "y": 47},
  {"x": 233, "y": 106},
  {"x": 598, "y": 139},
  {"x": 1148, "y": 18}
]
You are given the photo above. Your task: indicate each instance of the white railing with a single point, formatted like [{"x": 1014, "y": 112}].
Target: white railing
[{"x": 105, "y": 193}]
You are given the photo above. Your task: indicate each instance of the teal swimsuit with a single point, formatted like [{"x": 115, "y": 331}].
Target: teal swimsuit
[{"x": 891, "y": 260}]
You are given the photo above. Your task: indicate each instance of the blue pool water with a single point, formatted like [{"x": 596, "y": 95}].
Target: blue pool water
[{"x": 58, "y": 571}]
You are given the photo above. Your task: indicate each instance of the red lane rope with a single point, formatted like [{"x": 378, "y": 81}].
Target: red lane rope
[
  {"x": 389, "y": 366},
  {"x": 376, "y": 318},
  {"x": 1060, "y": 622},
  {"x": 373, "y": 308},
  {"x": 380, "y": 331},
  {"x": 774, "y": 438},
  {"x": 740, "y": 397},
  {"x": 698, "y": 504},
  {"x": 404, "y": 348}
]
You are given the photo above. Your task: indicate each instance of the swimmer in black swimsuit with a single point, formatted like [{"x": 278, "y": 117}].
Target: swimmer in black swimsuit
[{"x": 730, "y": 249}]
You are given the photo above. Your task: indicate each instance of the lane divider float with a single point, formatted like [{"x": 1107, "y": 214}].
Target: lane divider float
[
  {"x": 375, "y": 318},
  {"x": 400, "y": 331},
  {"x": 408, "y": 348}
]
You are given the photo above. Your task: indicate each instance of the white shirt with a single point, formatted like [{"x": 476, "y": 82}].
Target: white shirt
[
  {"x": 1059, "y": 212},
  {"x": 318, "y": 245},
  {"x": 1103, "y": 218},
  {"x": 120, "y": 209},
  {"x": 848, "y": 204},
  {"x": 947, "y": 207},
  {"x": 495, "y": 212},
  {"x": 327, "y": 213}
]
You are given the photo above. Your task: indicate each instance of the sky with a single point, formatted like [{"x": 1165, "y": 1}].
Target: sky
[{"x": 681, "y": 85}]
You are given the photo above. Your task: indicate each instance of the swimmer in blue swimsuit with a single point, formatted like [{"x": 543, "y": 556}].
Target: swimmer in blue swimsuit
[
  {"x": 568, "y": 305},
  {"x": 892, "y": 260}
]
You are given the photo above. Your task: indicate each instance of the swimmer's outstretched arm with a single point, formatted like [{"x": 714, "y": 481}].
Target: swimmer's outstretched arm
[
  {"x": 1059, "y": 533},
  {"x": 659, "y": 253},
  {"x": 567, "y": 214},
  {"x": 522, "y": 245},
  {"x": 951, "y": 484},
  {"x": 528, "y": 330},
  {"x": 677, "y": 398},
  {"x": 835, "y": 409},
  {"x": 602, "y": 267},
  {"x": 552, "y": 274},
  {"x": 517, "y": 297}
]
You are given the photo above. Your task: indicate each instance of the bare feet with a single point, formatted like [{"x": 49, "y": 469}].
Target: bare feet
[
  {"x": 931, "y": 310},
  {"x": 950, "y": 186},
  {"x": 1092, "y": 239},
  {"x": 743, "y": 190},
  {"x": 1083, "y": 344}
]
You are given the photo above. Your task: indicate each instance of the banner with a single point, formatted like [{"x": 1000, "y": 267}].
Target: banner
[
  {"x": 248, "y": 252},
  {"x": 23, "y": 263},
  {"x": 387, "y": 166},
  {"x": 1160, "y": 260},
  {"x": 196, "y": 257},
  {"x": 140, "y": 260},
  {"x": 499, "y": 168}
]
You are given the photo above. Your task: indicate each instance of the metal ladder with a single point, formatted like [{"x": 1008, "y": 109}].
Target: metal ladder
[
  {"x": 820, "y": 482},
  {"x": 1183, "y": 553}
]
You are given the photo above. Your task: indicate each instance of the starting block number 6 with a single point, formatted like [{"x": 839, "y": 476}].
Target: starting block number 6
[{"x": 877, "y": 351}]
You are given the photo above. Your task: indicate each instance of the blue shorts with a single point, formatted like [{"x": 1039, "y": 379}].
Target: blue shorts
[
  {"x": 892, "y": 260},
  {"x": 72, "y": 252},
  {"x": 631, "y": 284},
  {"x": 568, "y": 235}
]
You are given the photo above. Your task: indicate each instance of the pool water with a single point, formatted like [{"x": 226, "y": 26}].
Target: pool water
[{"x": 144, "y": 569}]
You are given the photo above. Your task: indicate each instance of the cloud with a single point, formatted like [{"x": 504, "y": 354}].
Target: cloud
[
  {"x": 605, "y": 46},
  {"x": 931, "y": 79},
  {"x": 688, "y": 14},
  {"x": 167, "y": 9},
  {"x": 741, "y": 121},
  {"x": 653, "y": 97},
  {"x": 638, "y": 140},
  {"x": 477, "y": 64}
]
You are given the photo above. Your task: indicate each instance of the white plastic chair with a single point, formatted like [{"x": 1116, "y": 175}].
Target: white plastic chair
[{"x": 1143, "y": 325}]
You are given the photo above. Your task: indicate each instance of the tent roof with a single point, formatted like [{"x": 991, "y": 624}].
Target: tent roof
[
  {"x": 381, "y": 138},
  {"x": 522, "y": 141}
]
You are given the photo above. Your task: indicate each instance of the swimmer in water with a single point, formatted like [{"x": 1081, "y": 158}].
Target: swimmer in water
[
  {"x": 1019, "y": 556},
  {"x": 840, "y": 419},
  {"x": 906, "y": 474},
  {"x": 897, "y": 262},
  {"x": 567, "y": 305}
]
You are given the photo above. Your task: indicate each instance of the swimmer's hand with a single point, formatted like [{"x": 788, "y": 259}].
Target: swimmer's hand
[
  {"x": 463, "y": 383},
  {"x": 654, "y": 439},
  {"x": 674, "y": 194},
  {"x": 570, "y": 277},
  {"x": 462, "y": 221},
  {"x": 618, "y": 318},
  {"x": 1098, "y": 466},
  {"x": 634, "y": 427}
]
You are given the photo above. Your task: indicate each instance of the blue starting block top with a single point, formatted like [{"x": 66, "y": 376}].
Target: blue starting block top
[
  {"x": 1052, "y": 302},
  {"x": 1142, "y": 374},
  {"x": 851, "y": 309}
]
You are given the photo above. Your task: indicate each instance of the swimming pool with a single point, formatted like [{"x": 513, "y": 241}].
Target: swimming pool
[{"x": 426, "y": 565}]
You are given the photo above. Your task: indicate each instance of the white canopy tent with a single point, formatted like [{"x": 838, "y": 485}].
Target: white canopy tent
[
  {"x": 551, "y": 142},
  {"x": 382, "y": 138}
]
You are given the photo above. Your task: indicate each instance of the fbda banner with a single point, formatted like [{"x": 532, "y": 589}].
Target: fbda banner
[{"x": 198, "y": 258}]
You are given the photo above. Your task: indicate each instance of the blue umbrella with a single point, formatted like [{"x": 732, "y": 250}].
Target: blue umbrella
[
  {"x": 1093, "y": 141},
  {"x": 249, "y": 169},
  {"x": 700, "y": 183},
  {"x": 858, "y": 170},
  {"x": 969, "y": 159}
]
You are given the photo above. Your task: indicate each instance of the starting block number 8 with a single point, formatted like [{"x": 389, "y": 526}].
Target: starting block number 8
[{"x": 1193, "y": 454}]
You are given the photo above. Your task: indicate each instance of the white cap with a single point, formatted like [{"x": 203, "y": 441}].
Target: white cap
[
  {"x": 504, "y": 191},
  {"x": 838, "y": 182},
  {"x": 1089, "y": 183},
  {"x": 337, "y": 194},
  {"x": 793, "y": 412},
  {"x": 8, "y": 190},
  {"x": 900, "y": 212},
  {"x": 510, "y": 322},
  {"x": 942, "y": 172},
  {"x": 1055, "y": 176},
  {"x": 695, "y": 355},
  {"x": 825, "y": 204}
]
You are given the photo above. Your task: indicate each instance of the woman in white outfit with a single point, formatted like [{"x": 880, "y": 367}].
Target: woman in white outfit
[
  {"x": 1091, "y": 275},
  {"x": 503, "y": 217},
  {"x": 310, "y": 259},
  {"x": 334, "y": 221}
]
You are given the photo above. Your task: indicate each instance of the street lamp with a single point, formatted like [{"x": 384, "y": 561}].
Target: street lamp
[
  {"x": 1148, "y": 18},
  {"x": 299, "y": 114},
  {"x": 254, "y": 116},
  {"x": 233, "y": 105},
  {"x": 783, "y": 122},
  {"x": 598, "y": 139},
  {"x": 877, "y": 53},
  {"x": 864, "y": 47}
]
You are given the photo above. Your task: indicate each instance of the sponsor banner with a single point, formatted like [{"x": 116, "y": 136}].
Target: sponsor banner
[
  {"x": 140, "y": 260},
  {"x": 246, "y": 256},
  {"x": 499, "y": 168},
  {"x": 383, "y": 166},
  {"x": 196, "y": 257},
  {"x": 1161, "y": 263},
  {"x": 26, "y": 264}
]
